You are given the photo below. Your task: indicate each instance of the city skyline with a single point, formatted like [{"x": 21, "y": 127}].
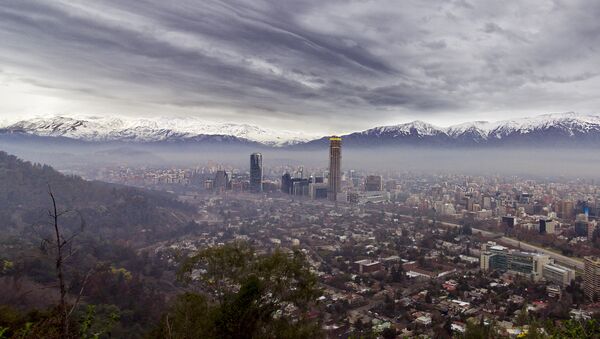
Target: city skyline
[
  {"x": 299, "y": 169},
  {"x": 325, "y": 68}
]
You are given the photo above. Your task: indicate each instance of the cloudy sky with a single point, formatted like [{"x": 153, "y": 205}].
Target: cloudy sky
[{"x": 311, "y": 65}]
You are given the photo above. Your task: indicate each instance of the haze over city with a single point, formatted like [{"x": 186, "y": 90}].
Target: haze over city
[{"x": 299, "y": 169}]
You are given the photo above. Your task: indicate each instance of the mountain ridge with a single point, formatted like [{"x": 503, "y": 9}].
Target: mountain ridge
[{"x": 552, "y": 129}]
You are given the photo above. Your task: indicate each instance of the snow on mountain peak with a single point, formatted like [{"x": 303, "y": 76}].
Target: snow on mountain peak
[
  {"x": 149, "y": 129},
  {"x": 415, "y": 127},
  {"x": 159, "y": 129}
]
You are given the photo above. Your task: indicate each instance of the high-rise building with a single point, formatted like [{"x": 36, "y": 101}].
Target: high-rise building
[
  {"x": 591, "y": 229},
  {"x": 591, "y": 277},
  {"x": 567, "y": 209},
  {"x": 221, "y": 181},
  {"x": 581, "y": 228},
  {"x": 547, "y": 226},
  {"x": 286, "y": 183},
  {"x": 299, "y": 186},
  {"x": 335, "y": 167},
  {"x": 318, "y": 190},
  {"x": 256, "y": 172},
  {"x": 373, "y": 183}
]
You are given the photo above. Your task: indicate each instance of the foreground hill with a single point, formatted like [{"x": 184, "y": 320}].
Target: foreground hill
[{"x": 107, "y": 210}]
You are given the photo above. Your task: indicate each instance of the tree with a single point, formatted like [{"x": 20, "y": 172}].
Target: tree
[
  {"x": 576, "y": 329},
  {"x": 56, "y": 322},
  {"x": 255, "y": 296},
  {"x": 389, "y": 333},
  {"x": 397, "y": 273},
  {"x": 62, "y": 247},
  {"x": 478, "y": 330}
]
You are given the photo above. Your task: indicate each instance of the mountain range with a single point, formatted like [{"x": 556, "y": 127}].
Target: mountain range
[{"x": 542, "y": 130}]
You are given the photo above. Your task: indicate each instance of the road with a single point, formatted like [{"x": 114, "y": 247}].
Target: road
[{"x": 559, "y": 258}]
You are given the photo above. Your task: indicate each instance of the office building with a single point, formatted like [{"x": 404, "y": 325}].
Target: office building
[
  {"x": 566, "y": 209},
  {"x": 208, "y": 184},
  {"x": 367, "y": 266},
  {"x": 591, "y": 277},
  {"x": 509, "y": 221},
  {"x": 558, "y": 274},
  {"x": 316, "y": 180},
  {"x": 591, "y": 229},
  {"x": 547, "y": 226},
  {"x": 221, "y": 181},
  {"x": 256, "y": 172},
  {"x": 286, "y": 183},
  {"x": 499, "y": 258},
  {"x": 318, "y": 190},
  {"x": 335, "y": 167},
  {"x": 373, "y": 183},
  {"x": 299, "y": 186},
  {"x": 581, "y": 228}
]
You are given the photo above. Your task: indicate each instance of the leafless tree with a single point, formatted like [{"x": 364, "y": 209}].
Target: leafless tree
[{"x": 63, "y": 249}]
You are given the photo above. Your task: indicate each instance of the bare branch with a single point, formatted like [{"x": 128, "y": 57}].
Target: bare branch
[
  {"x": 70, "y": 254},
  {"x": 70, "y": 238},
  {"x": 59, "y": 270},
  {"x": 85, "y": 279}
]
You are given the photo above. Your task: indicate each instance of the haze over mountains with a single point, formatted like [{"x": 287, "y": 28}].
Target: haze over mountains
[{"x": 543, "y": 130}]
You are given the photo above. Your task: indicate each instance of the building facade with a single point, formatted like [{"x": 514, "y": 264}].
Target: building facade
[
  {"x": 591, "y": 277},
  {"x": 256, "y": 172},
  {"x": 221, "y": 181},
  {"x": 335, "y": 167},
  {"x": 495, "y": 257},
  {"x": 560, "y": 275},
  {"x": 373, "y": 183}
]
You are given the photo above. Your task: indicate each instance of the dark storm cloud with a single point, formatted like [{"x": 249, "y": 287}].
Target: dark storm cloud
[{"x": 280, "y": 61}]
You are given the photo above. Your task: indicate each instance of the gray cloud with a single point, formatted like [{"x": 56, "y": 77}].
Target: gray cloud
[{"x": 335, "y": 66}]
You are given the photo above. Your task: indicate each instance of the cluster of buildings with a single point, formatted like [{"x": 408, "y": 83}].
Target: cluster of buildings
[
  {"x": 406, "y": 263},
  {"x": 534, "y": 266},
  {"x": 383, "y": 271},
  {"x": 332, "y": 185}
]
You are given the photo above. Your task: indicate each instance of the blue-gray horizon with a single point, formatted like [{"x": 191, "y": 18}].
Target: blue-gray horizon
[{"x": 304, "y": 65}]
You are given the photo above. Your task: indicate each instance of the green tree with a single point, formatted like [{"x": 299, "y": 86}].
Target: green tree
[
  {"x": 255, "y": 296},
  {"x": 389, "y": 333},
  {"x": 478, "y": 330}
]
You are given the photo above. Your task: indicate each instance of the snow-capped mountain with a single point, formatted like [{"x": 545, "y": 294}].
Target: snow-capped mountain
[
  {"x": 547, "y": 129},
  {"x": 149, "y": 130},
  {"x": 543, "y": 130}
]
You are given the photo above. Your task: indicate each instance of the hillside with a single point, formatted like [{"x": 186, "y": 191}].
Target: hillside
[{"x": 108, "y": 210}]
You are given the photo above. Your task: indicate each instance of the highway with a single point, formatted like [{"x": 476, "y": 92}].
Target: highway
[
  {"x": 559, "y": 258},
  {"x": 572, "y": 262}
]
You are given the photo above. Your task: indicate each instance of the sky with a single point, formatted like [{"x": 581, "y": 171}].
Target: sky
[{"x": 308, "y": 65}]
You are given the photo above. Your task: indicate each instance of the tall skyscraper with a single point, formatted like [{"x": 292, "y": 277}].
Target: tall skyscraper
[
  {"x": 221, "y": 181},
  {"x": 286, "y": 183},
  {"x": 591, "y": 277},
  {"x": 335, "y": 167},
  {"x": 256, "y": 172}
]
